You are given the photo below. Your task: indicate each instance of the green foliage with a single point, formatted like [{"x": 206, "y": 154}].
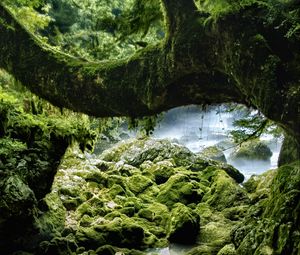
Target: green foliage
[
  {"x": 26, "y": 12},
  {"x": 251, "y": 125},
  {"x": 146, "y": 124},
  {"x": 110, "y": 127},
  {"x": 100, "y": 29},
  {"x": 29, "y": 119},
  {"x": 284, "y": 14},
  {"x": 8, "y": 146}
]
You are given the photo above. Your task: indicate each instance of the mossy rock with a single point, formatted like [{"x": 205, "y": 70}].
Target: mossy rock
[
  {"x": 228, "y": 249},
  {"x": 276, "y": 216},
  {"x": 121, "y": 232},
  {"x": 209, "y": 171},
  {"x": 162, "y": 171},
  {"x": 224, "y": 192},
  {"x": 115, "y": 190},
  {"x": 215, "y": 231},
  {"x": 136, "y": 151},
  {"x": 213, "y": 152},
  {"x": 252, "y": 150},
  {"x": 258, "y": 186},
  {"x": 179, "y": 188},
  {"x": 236, "y": 213},
  {"x": 138, "y": 183},
  {"x": 54, "y": 215},
  {"x": 185, "y": 225},
  {"x": 203, "y": 250},
  {"x": 157, "y": 213},
  {"x": 17, "y": 198}
]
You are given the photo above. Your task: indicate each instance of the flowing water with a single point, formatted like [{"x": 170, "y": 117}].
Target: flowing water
[{"x": 197, "y": 129}]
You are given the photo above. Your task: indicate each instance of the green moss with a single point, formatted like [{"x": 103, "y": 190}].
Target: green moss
[
  {"x": 115, "y": 190},
  {"x": 275, "y": 215},
  {"x": 178, "y": 188},
  {"x": 215, "y": 235},
  {"x": 252, "y": 150},
  {"x": 236, "y": 213},
  {"x": 224, "y": 192},
  {"x": 53, "y": 218},
  {"x": 138, "y": 183},
  {"x": 162, "y": 171},
  {"x": 184, "y": 225},
  {"x": 228, "y": 249},
  {"x": 215, "y": 231},
  {"x": 17, "y": 199}
]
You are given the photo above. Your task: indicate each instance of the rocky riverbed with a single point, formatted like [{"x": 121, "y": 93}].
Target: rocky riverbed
[{"x": 146, "y": 194}]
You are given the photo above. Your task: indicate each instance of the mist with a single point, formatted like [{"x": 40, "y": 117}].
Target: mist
[{"x": 198, "y": 128}]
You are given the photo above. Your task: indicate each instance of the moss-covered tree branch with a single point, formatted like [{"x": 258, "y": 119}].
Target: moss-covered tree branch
[
  {"x": 135, "y": 86},
  {"x": 247, "y": 54}
]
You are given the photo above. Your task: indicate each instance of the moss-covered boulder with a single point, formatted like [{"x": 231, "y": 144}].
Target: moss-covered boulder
[
  {"x": 252, "y": 150},
  {"x": 162, "y": 171},
  {"x": 214, "y": 152},
  {"x": 224, "y": 191},
  {"x": 272, "y": 224},
  {"x": 228, "y": 249},
  {"x": 184, "y": 225},
  {"x": 121, "y": 231},
  {"x": 179, "y": 188}
]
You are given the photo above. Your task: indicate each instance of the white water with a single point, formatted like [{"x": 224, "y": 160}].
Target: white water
[
  {"x": 174, "y": 249},
  {"x": 197, "y": 129}
]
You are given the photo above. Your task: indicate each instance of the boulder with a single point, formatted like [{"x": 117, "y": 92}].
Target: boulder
[
  {"x": 252, "y": 150},
  {"x": 224, "y": 191},
  {"x": 179, "y": 188},
  {"x": 213, "y": 152},
  {"x": 184, "y": 225}
]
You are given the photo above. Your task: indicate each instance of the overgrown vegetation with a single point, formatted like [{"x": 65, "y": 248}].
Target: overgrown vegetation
[
  {"x": 27, "y": 118},
  {"x": 251, "y": 124},
  {"x": 93, "y": 29}
]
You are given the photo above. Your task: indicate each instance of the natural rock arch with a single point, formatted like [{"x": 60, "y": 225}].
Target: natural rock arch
[{"x": 239, "y": 56}]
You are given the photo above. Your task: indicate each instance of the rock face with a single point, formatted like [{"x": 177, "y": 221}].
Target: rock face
[
  {"x": 31, "y": 147},
  {"x": 272, "y": 224},
  {"x": 147, "y": 193}
]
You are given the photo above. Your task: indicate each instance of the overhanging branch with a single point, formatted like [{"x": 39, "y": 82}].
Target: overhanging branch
[
  {"x": 141, "y": 85},
  {"x": 235, "y": 59}
]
